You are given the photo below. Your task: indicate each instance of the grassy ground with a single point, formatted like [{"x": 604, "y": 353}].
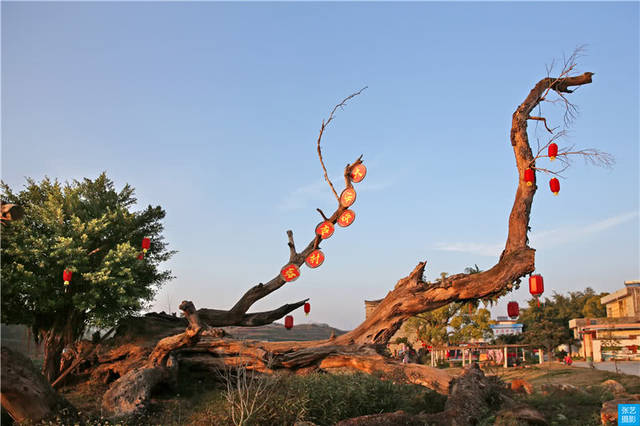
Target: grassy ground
[
  {"x": 565, "y": 407},
  {"x": 324, "y": 399}
]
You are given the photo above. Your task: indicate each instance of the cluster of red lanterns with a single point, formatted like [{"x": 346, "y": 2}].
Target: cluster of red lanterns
[
  {"x": 325, "y": 230},
  {"x": 554, "y": 183}
]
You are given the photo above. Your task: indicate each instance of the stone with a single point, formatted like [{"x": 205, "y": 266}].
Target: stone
[
  {"x": 609, "y": 411},
  {"x": 519, "y": 414},
  {"x": 613, "y": 386},
  {"x": 519, "y": 385}
]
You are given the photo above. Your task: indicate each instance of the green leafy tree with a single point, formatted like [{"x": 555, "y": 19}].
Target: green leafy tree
[
  {"x": 547, "y": 326},
  {"x": 89, "y": 228}
]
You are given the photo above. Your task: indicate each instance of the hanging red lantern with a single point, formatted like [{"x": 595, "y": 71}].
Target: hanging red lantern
[
  {"x": 536, "y": 286},
  {"x": 66, "y": 277},
  {"x": 307, "y": 308},
  {"x": 288, "y": 322},
  {"x": 554, "y": 185},
  {"x": 346, "y": 218},
  {"x": 529, "y": 176},
  {"x": 513, "y": 310},
  {"x": 553, "y": 151},
  {"x": 315, "y": 259},
  {"x": 325, "y": 229},
  {"x": 358, "y": 173},
  {"x": 140, "y": 256},
  {"x": 146, "y": 244},
  {"x": 290, "y": 272},
  {"x": 348, "y": 197}
]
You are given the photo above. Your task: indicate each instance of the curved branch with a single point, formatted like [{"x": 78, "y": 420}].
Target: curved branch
[
  {"x": 324, "y": 126},
  {"x": 412, "y": 296}
]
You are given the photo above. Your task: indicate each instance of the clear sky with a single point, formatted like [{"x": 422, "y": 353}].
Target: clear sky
[{"x": 212, "y": 110}]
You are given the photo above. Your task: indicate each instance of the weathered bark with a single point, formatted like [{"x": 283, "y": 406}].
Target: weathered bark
[
  {"x": 26, "y": 395},
  {"x": 63, "y": 332}
]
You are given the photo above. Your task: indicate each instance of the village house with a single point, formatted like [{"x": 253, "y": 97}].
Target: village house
[{"x": 618, "y": 335}]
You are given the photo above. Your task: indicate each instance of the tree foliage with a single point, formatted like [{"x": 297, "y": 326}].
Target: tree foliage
[
  {"x": 452, "y": 324},
  {"x": 89, "y": 228},
  {"x": 547, "y": 326}
]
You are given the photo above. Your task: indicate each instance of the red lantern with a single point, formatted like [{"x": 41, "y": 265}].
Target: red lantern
[
  {"x": 554, "y": 184},
  {"x": 358, "y": 173},
  {"x": 325, "y": 229},
  {"x": 307, "y": 308},
  {"x": 290, "y": 272},
  {"x": 513, "y": 310},
  {"x": 348, "y": 197},
  {"x": 140, "y": 256},
  {"x": 553, "y": 151},
  {"x": 66, "y": 277},
  {"x": 536, "y": 286},
  {"x": 146, "y": 244},
  {"x": 315, "y": 259},
  {"x": 288, "y": 322},
  {"x": 346, "y": 218},
  {"x": 529, "y": 176}
]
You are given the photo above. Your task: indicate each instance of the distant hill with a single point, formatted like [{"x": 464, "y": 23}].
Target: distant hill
[{"x": 276, "y": 332}]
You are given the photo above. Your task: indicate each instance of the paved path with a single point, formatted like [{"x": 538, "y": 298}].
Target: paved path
[{"x": 626, "y": 367}]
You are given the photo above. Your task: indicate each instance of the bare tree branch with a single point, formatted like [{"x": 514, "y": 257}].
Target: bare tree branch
[{"x": 324, "y": 126}]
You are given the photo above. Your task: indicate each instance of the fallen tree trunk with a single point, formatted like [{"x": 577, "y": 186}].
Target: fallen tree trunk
[
  {"x": 25, "y": 393},
  {"x": 357, "y": 348}
]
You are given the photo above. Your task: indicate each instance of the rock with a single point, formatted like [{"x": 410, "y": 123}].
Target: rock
[
  {"x": 609, "y": 411},
  {"x": 548, "y": 388},
  {"x": 519, "y": 385},
  {"x": 613, "y": 386},
  {"x": 519, "y": 414}
]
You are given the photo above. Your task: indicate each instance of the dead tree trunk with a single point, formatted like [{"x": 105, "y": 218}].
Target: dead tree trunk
[
  {"x": 356, "y": 349},
  {"x": 26, "y": 395}
]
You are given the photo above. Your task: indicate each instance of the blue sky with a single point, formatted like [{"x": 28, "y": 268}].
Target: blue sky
[{"x": 212, "y": 110}]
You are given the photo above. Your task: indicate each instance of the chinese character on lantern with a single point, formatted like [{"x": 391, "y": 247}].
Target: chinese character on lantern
[
  {"x": 325, "y": 229},
  {"x": 290, "y": 272},
  {"x": 314, "y": 259},
  {"x": 346, "y": 218},
  {"x": 348, "y": 197},
  {"x": 358, "y": 173}
]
